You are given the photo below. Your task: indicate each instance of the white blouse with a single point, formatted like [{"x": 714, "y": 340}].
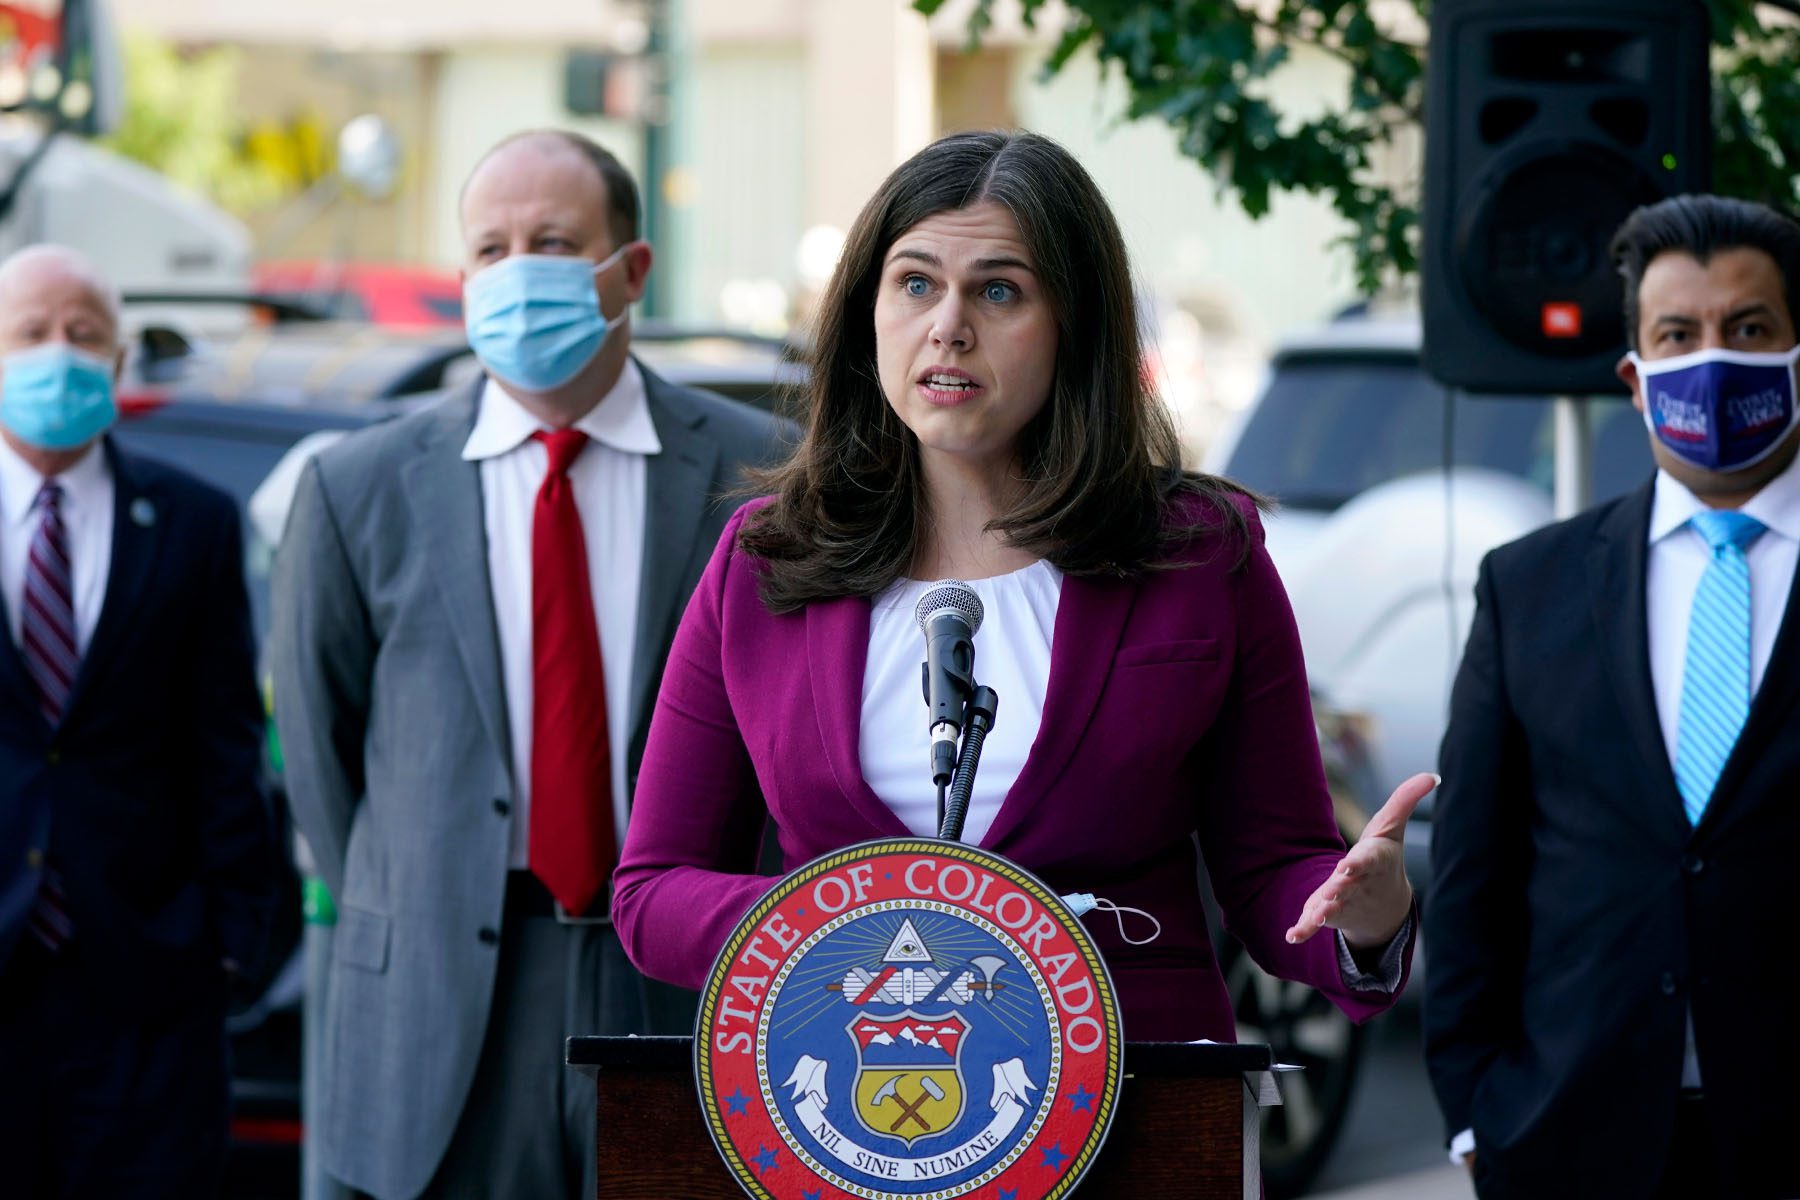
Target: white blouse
[{"x": 1012, "y": 656}]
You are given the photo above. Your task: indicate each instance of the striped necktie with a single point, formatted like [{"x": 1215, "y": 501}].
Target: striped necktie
[
  {"x": 47, "y": 633},
  {"x": 47, "y": 640},
  {"x": 1715, "y": 682}
]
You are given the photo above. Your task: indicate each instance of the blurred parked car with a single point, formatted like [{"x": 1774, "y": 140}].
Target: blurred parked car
[
  {"x": 1298, "y": 1024},
  {"x": 376, "y": 293},
  {"x": 285, "y": 353},
  {"x": 1390, "y": 488}
]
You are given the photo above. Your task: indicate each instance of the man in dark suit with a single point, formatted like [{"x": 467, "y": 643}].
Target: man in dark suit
[
  {"x": 1606, "y": 1014},
  {"x": 473, "y": 605},
  {"x": 136, "y": 850}
]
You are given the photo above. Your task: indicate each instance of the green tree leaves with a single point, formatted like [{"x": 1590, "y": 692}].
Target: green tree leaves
[{"x": 1204, "y": 67}]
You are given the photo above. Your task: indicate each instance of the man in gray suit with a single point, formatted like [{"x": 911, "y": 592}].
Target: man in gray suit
[{"x": 473, "y": 605}]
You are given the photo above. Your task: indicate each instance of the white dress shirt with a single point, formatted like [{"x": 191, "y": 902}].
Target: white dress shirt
[
  {"x": 87, "y": 512},
  {"x": 609, "y": 481},
  {"x": 1012, "y": 656},
  {"x": 1678, "y": 557}
]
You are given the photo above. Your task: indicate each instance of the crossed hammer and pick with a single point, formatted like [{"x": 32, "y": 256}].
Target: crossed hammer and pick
[{"x": 908, "y": 1111}]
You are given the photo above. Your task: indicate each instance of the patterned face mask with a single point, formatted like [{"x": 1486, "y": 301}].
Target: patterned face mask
[{"x": 1720, "y": 410}]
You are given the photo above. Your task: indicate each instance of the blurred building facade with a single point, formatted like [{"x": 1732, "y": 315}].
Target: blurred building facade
[
  {"x": 450, "y": 77},
  {"x": 767, "y": 123}
]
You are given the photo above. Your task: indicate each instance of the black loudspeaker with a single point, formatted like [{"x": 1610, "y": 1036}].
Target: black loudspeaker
[{"x": 1547, "y": 122}]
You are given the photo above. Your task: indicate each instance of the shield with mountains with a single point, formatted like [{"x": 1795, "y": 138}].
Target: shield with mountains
[{"x": 909, "y": 1081}]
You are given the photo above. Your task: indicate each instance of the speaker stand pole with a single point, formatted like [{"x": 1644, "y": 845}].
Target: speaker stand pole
[{"x": 1574, "y": 489}]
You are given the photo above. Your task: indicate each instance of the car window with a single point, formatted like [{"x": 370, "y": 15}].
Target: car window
[
  {"x": 1328, "y": 429},
  {"x": 446, "y": 307},
  {"x": 336, "y": 304},
  {"x": 235, "y": 458}
]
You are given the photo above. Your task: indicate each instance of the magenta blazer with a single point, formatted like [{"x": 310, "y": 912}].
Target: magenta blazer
[{"x": 1177, "y": 706}]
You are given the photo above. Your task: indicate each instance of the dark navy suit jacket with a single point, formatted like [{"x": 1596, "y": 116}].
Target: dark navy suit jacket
[
  {"x": 148, "y": 798},
  {"x": 1576, "y": 918}
]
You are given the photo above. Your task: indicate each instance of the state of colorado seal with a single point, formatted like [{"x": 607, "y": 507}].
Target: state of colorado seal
[{"x": 909, "y": 1019}]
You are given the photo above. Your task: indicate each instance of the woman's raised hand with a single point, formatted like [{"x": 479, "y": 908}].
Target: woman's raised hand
[{"x": 1367, "y": 897}]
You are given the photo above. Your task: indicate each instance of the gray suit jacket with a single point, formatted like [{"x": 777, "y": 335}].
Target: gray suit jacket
[{"x": 392, "y": 718}]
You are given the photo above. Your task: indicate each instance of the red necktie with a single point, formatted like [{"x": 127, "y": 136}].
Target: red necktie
[{"x": 571, "y": 845}]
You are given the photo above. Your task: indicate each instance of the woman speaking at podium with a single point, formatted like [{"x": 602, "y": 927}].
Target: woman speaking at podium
[{"x": 979, "y": 409}]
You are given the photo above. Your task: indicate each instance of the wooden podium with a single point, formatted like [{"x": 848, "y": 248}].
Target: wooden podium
[{"x": 1186, "y": 1126}]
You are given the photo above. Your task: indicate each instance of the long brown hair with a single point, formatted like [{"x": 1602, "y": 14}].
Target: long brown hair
[{"x": 1099, "y": 463}]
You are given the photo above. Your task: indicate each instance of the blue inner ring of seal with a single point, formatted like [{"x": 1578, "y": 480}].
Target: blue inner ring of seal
[{"x": 809, "y": 1019}]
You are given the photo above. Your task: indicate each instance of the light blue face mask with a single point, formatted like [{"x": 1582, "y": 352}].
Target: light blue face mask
[
  {"x": 534, "y": 320},
  {"x": 56, "y": 397}
]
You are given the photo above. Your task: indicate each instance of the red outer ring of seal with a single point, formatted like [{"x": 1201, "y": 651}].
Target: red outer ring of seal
[{"x": 788, "y": 913}]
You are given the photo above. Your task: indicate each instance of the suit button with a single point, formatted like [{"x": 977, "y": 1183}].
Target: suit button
[
  {"x": 1693, "y": 864},
  {"x": 1669, "y": 984},
  {"x": 488, "y": 936},
  {"x": 34, "y": 858},
  {"x": 502, "y": 806}
]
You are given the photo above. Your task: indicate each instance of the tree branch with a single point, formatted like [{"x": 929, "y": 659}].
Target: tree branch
[
  {"x": 1413, "y": 109},
  {"x": 1198, "y": 65}
]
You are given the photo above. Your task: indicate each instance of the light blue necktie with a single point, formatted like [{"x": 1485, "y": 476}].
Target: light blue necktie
[{"x": 1715, "y": 683}]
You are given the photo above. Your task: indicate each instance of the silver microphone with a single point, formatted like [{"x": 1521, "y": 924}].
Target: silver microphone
[{"x": 948, "y": 613}]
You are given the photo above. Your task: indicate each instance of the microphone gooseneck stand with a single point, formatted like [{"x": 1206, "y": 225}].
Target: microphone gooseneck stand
[
  {"x": 979, "y": 719},
  {"x": 949, "y": 614}
]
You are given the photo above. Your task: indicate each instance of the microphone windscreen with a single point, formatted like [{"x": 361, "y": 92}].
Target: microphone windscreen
[{"x": 949, "y": 595}]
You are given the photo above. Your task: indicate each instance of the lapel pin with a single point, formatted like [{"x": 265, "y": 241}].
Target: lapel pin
[{"x": 143, "y": 512}]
